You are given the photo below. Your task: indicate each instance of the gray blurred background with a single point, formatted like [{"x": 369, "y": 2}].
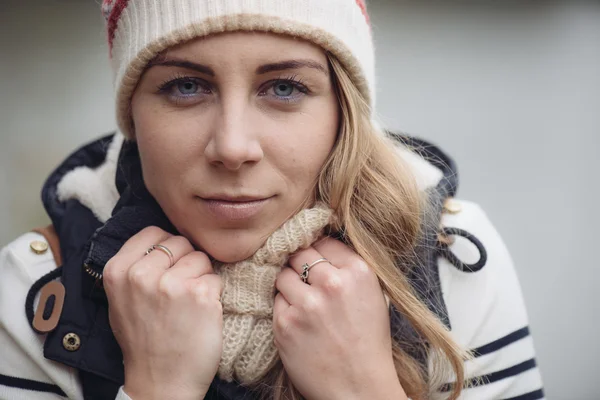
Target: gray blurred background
[{"x": 511, "y": 89}]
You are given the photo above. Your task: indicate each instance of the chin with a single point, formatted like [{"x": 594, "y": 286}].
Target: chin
[
  {"x": 227, "y": 256},
  {"x": 228, "y": 249},
  {"x": 230, "y": 244}
]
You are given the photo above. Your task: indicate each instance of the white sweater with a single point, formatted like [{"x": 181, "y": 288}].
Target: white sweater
[{"x": 486, "y": 312}]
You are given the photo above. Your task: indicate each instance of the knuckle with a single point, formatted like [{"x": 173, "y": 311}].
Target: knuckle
[
  {"x": 218, "y": 284},
  {"x": 110, "y": 273},
  {"x": 201, "y": 290},
  {"x": 360, "y": 267},
  {"x": 310, "y": 304},
  {"x": 201, "y": 258},
  {"x": 168, "y": 288},
  {"x": 186, "y": 262},
  {"x": 182, "y": 242},
  {"x": 333, "y": 284},
  {"x": 211, "y": 283},
  {"x": 206, "y": 296},
  {"x": 152, "y": 231},
  {"x": 137, "y": 276},
  {"x": 283, "y": 327},
  {"x": 110, "y": 281},
  {"x": 218, "y": 307}
]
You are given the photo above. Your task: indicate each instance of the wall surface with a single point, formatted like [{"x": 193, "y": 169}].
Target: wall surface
[
  {"x": 511, "y": 89},
  {"x": 56, "y": 94}
]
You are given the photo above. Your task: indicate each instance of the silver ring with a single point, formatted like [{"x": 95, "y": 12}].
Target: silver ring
[
  {"x": 306, "y": 268},
  {"x": 165, "y": 250}
]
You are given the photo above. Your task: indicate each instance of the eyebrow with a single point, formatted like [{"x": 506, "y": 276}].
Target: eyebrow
[
  {"x": 291, "y": 64},
  {"x": 263, "y": 69},
  {"x": 183, "y": 64}
]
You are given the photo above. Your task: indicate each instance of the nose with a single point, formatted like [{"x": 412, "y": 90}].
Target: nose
[{"x": 234, "y": 139}]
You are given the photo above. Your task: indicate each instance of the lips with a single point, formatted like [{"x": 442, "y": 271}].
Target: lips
[
  {"x": 235, "y": 199},
  {"x": 235, "y": 208}
]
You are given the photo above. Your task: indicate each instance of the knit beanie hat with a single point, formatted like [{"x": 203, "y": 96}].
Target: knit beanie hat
[{"x": 139, "y": 30}]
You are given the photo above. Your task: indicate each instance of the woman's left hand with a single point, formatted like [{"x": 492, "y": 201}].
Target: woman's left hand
[{"x": 333, "y": 334}]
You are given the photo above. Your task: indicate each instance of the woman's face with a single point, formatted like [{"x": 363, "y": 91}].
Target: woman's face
[{"x": 233, "y": 131}]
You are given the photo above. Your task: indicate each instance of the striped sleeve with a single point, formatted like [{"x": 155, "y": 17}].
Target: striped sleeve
[{"x": 488, "y": 315}]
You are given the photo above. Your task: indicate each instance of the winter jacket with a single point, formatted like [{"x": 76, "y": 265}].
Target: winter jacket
[{"x": 96, "y": 199}]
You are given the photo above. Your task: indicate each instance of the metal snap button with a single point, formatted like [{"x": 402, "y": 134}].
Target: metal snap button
[
  {"x": 452, "y": 206},
  {"x": 71, "y": 342},
  {"x": 38, "y": 247}
]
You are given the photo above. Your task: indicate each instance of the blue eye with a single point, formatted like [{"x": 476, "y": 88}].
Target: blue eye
[
  {"x": 283, "y": 89},
  {"x": 187, "y": 87},
  {"x": 286, "y": 90}
]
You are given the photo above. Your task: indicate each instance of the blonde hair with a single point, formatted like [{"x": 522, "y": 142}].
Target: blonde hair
[{"x": 375, "y": 198}]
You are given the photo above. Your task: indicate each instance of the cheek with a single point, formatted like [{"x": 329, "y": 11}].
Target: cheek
[
  {"x": 306, "y": 145},
  {"x": 154, "y": 152},
  {"x": 166, "y": 143},
  {"x": 317, "y": 135}
]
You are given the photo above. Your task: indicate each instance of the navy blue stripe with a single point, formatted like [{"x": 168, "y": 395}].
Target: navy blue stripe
[
  {"x": 508, "y": 372},
  {"x": 536, "y": 395},
  {"x": 502, "y": 342},
  {"x": 28, "y": 384},
  {"x": 496, "y": 376}
]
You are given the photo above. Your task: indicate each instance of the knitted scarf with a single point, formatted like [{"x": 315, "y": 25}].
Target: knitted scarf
[{"x": 248, "y": 294}]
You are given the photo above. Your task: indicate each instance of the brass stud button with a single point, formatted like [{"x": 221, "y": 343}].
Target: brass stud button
[
  {"x": 452, "y": 206},
  {"x": 71, "y": 342},
  {"x": 38, "y": 247}
]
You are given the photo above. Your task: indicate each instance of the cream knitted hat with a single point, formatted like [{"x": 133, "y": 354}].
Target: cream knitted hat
[{"x": 138, "y": 30}]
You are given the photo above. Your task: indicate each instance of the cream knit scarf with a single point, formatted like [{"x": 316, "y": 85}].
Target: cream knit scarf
[{"x": 248, "y": 294}]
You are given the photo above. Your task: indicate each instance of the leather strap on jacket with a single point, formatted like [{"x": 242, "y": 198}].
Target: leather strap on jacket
[
  {"x": 52, "y": 292},
  {"x": 49, "y": 233}
]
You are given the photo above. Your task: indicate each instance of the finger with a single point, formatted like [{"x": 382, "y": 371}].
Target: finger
[
  {"x": 291, "y": 286},
  {"x": 280, "y": 305},
  {"x": 191, "y": 265},
  {"x": 339, "y": 254},
  {"x": 347, "y": 260},
  {"x": 318, "y": 272},
  {"x": 159, "y": 258},
  {"x": 134, "y": 249},
  {"x": 148, "y": 270},
  {"x": 139, "y": 242},
  {"x": 208, "y": 286},
  {"x": 281, "y": 325}
]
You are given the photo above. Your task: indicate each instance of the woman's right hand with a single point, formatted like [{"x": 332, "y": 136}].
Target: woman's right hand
[{"x": 168, "y": 321}]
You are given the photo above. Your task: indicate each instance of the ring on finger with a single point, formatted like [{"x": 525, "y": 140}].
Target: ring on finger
[
  {"x": 306, "y": 267},
  {"x": 165, "y": 250}
]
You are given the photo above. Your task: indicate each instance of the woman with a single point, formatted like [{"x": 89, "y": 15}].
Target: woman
[{"x": 250, "y": 233}]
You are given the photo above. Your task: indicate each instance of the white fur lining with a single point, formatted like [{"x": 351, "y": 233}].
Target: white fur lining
[{"x": 96, "y": 188}]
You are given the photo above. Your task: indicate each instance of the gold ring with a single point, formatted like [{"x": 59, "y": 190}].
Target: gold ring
[
  {"x": 165, "y": 250},
  {"x": 306, "y": 268}
]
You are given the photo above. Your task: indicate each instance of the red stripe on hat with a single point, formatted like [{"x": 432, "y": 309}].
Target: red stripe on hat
[
  {"x": 113, "y": 20},
  {"x": 363, "y": 7}
]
